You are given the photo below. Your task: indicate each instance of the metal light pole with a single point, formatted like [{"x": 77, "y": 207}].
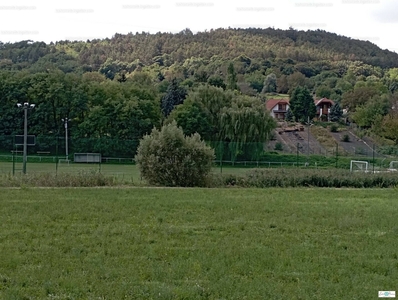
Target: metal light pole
[
  {"x": 25, "y": 107},
  {"x": 66, "y": 120}
]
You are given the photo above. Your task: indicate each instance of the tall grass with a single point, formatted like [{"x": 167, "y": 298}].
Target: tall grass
[
  {"x": 238, "y": 177},
  {"x": 80, "y": 179},
  {"x": 264, "y": 178}
]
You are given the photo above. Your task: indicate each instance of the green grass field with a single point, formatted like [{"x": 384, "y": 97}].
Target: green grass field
[{"x": 158, "y": 243}]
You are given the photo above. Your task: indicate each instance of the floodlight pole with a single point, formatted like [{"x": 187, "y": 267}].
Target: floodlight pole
[
  {"x": 308, "y": 143},
  {"x": 66, "y": 137},
  {"x": 25, "y": 107},
  {"x": 25, "y": 139}
]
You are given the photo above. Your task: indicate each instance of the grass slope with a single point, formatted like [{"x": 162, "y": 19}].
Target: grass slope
[{"x": 155, "y": 243}]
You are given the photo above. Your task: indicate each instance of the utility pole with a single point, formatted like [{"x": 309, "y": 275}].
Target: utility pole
[{"x": 25, "y": 107}]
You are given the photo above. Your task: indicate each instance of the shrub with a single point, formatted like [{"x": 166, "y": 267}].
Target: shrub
[
  {"x": 168, "y": 157},
  {"x": 334, "y": 128},
  {"x": 346, "y": 138},
  {"x": 278, "y": 146}
]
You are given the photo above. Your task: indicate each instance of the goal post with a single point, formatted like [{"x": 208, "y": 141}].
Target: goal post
[
  {"x": 393, "y": 165},
  {"x": 359, "y": 165}
]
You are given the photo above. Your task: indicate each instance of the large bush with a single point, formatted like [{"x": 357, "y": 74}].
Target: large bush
[{"x": 168, "y": 157}]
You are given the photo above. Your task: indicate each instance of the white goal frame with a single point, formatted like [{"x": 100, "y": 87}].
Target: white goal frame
[
  {"x": 391, "y": 167},
  {"x": 359, "y": 164}
]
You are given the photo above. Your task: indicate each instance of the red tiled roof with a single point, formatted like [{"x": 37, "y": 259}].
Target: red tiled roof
[
  {"x": 271, "y": 103},
  {"x": 319, "y": 101}
]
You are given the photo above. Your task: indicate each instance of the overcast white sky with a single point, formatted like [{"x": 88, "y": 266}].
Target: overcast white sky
[{"x": 44, "y": 20}]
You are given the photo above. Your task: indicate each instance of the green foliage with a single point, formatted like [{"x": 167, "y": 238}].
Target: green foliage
[
  {"x": 302, "y": 104},
  {"x": 174, "y": 96},
  {"x": 264, "y": 178},
  {"x": 392, "y": 80},
  {"x": 169, "y": 158},
  {"x": 217, "y": 81},
  {"x": 246, "y": 121},
  {"x": 390, "y": 126},
  {"x": 192, "y": 117},
  {"x": 334, "y": 128},
  {"x": 270, "y": 84},
  {"x": 111, "y": 88},
  {"x": 295, "y": 80},
  {"x": 289, "y": 117},
  {"x": 345, "y": 138},
  {"x": 359, "y": 96},
  {"x": 335, "y": 112},
  {"x": 365, "y": 115},
  {"x": 255, "y": 80},
  {"x": 324, "y": 92},
  {"x": 278, "y": 146},
  {"x": 209, "y": 101},
  {"x": 231, "y": 78}
]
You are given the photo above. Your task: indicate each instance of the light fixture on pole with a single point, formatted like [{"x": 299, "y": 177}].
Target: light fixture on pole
[
  {"x": 66, "y": 120},
  {"x": 25, "y": 106}
]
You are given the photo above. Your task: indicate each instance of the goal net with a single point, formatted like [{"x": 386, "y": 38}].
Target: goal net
[
  {"x": 393, "y": 165},
  {"x": 359, "y": 165}
]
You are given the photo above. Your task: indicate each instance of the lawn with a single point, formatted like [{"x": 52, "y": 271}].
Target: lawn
[{"x": 158, "y": 243}]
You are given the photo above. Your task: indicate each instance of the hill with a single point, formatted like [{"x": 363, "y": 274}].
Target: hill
[{"x": 265, "y": 46}]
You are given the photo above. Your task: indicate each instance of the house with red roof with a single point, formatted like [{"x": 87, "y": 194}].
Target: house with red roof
[
  {"x": 277, "y": 108},
  {"x": 323, "y": 108}
]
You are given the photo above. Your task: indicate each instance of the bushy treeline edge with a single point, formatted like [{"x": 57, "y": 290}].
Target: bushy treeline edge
[
  {"x": 255, "y": 178},
  {"x": 331, "y": 178}
]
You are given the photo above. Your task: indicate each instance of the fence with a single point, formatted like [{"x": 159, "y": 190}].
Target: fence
[{"x": 50, "y": 149}]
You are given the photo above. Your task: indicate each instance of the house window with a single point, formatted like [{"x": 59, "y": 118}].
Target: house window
[{"x": 281, "y": 106}]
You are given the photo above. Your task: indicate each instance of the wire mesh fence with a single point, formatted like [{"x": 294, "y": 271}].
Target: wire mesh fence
[{"x": 272, "y": 154}]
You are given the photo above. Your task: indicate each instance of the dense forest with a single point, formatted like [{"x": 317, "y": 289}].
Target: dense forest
[{"x": 118, "y": 89}]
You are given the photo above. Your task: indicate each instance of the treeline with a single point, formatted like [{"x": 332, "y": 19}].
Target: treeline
[
  {"x": 120, "y": 88},
  {"x": 117, "y": 114}
]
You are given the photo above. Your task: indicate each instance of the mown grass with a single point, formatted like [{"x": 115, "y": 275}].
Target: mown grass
[{"x": 156, "y": 243}]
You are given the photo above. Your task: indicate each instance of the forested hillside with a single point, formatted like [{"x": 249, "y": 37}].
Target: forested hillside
[{"x": 120, "y": 88}]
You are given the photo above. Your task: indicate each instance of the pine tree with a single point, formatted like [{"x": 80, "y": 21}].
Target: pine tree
[
  {"x": 335, "y": 112},
  {"x": 289, "y": 116},
  {"x": 174, "y": 96},
  {"x": 302, "y": 104}
]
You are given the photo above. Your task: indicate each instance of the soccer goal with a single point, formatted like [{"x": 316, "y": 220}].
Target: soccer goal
[
  {"x": 359, "y": 165},
  {"x": 393, "y": 165}
]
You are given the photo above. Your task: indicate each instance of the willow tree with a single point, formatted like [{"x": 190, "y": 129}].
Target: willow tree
[{"x": 247, "y": 125}]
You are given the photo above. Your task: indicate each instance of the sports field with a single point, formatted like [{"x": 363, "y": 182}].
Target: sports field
[{"x": 159, "y": 243}]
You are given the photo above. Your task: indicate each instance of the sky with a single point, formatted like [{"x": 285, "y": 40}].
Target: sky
[{"x": 51, "y": 21}]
